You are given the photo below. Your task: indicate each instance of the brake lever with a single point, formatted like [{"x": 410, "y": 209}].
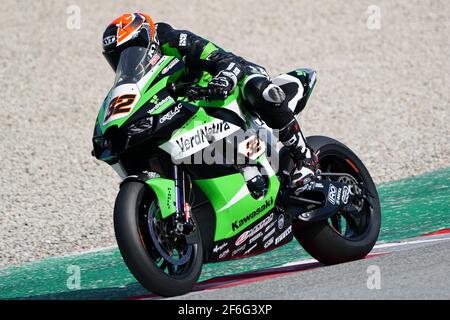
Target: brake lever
[
  {"x": 192, "y": 95},
  {"x": 197, "y": 93}
]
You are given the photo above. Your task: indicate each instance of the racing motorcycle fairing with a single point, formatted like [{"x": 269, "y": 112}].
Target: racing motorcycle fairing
[{"x": 141, "y": 118}]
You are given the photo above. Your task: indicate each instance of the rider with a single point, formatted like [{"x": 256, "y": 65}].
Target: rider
[{"x": 228, "y": 70}]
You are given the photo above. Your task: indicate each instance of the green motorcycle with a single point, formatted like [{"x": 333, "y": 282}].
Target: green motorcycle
[{"x": 187, "y": 197}]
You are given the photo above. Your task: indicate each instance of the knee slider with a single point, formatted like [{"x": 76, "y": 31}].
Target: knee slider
[{"x": 274, "y": 94}]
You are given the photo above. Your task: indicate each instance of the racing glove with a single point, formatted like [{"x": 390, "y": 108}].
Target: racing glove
[{"x": 222, "y": 84}]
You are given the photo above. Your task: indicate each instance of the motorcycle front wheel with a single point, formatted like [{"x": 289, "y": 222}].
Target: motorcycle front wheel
[{"x": 161, "y": 260}]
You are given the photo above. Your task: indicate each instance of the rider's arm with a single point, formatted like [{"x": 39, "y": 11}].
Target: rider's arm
[{"x": 197, "y": 52}]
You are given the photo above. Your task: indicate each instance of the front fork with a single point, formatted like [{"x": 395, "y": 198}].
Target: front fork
[{"x": 183, "y": 220}]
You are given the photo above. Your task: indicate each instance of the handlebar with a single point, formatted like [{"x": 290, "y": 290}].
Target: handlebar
[{"x": 191, "y": 91}]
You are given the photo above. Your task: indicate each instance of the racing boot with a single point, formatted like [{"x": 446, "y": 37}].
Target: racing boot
[{"x": 305, "y": 160}]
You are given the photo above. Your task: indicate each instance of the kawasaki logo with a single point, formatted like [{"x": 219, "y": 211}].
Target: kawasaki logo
[
  {"x": 218, "y": 248},
  {"x": 239, "y": 223},
  {"x": 201, "y": 135}
]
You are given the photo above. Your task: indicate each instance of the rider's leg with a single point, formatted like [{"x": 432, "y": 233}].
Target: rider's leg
[{"x": 270, "y": 102}]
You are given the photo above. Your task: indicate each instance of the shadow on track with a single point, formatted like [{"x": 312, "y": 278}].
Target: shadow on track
[{"x": 113, "y": 293}]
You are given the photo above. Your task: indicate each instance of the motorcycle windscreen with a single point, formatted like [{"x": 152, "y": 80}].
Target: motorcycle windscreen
[{"x": 134, "y": 64}]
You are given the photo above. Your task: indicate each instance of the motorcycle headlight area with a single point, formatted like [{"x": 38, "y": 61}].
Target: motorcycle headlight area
[
  {"x": 139, "y": 130},
  {"x": 102, "y": 142},
  {"x": 140, "y": 126},
  {"x": 103, "y": 150}
]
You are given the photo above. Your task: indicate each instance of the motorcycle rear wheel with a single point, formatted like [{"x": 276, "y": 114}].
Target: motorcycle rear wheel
[{"x": 339, "y": 239}]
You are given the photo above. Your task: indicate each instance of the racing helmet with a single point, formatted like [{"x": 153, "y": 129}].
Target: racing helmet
[{"x": 130, "y": 29}]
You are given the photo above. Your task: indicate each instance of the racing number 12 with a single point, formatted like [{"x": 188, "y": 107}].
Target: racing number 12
[{"x": 120, "y": 104}]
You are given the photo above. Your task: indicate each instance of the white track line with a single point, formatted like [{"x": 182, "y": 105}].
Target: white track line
[
  {"x": 398, "y": 244},
  {"x": 378, "y": 246},
  {"x": 80, "y": 253}
]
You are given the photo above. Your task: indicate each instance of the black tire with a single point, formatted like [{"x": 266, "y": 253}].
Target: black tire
[
  {"x": 320, "y": 239},
  {"x": 133, "y": 245}
]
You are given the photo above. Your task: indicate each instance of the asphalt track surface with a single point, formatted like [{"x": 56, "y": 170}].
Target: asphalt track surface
[{"x": 416, "y": 268}]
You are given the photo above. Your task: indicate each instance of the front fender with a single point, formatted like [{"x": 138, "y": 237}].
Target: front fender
[{"x": 164, "y": 190}]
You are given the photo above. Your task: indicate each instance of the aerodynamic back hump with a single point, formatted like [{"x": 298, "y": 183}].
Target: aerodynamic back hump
[{"x": 298, "y": 86}]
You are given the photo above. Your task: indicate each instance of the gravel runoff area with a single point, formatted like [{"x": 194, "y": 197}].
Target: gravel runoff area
[{"x": 383, "y": 92}]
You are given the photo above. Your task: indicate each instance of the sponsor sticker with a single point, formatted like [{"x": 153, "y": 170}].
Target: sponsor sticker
[
  {"x": 268, "y": 243},
  {"x": 158, "y": 104},
  {"x": 218, "y": 248},
  {"x": 338, "y": 196},
  {"x": 239, "y": 223},
  {"x": 183, "y": 40},
  {"x": 270, "y": 226},
  {"x": 201, "y": 135},
  {"x": 280, "y": 221},
  {"x": 169, "y": 198},
  {"x": 267, "y": 236},
  {"x": 332, "y": 194},
  {"x": 198, "y": 138},
  {"x": 259, "y": 235},
  {"x": 224, "y": 254},
  {"x": 318, "y": 185},
  {"x": 247, "y": 234},
  {"x": 109, "y": 40},
  {"x": 345, "y": 194},
  {"x": 242, "y": 238},
  {"x": 170, "y": 66},
  {"x": 240, "y": 249},
  {"x": 236, "y": 71},
  {"x": 250, "y": 250},
  {"x": 155, "y": 59},
  {"x": 282, "y": 236},
  {"x": 172, "y": 113}
]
